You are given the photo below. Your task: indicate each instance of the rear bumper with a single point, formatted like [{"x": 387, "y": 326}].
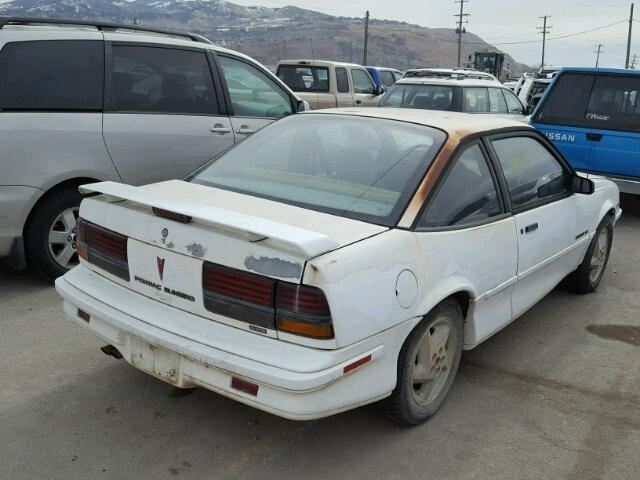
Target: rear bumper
[{"x": 295, "y": 382}]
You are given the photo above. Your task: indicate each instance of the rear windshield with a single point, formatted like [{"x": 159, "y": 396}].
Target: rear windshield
[
  {"x": 362, "y": 168},
  {"x": 304, "y": 78},
  {"x": 428, "y": 97}
]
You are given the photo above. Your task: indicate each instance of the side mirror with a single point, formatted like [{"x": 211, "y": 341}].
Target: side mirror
[
  {"x": 582, "y": 185},
  {"x": 302, "y": 106},
  {"x": 529, "y": 110},
  {"x": 378, "y": 90}
]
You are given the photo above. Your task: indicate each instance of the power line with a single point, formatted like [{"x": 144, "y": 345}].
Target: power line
[
  {"x": 598, "y": 52},
  {"x": 626, "y": 63},
  {"x": 460, "y": 29},
  {"x": 534, "y": 41},
  {"x": 366, "y": 38},
  {"x": 545, "y": 31}
]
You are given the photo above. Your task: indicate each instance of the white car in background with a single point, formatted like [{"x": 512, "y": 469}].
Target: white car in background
[
  {"x": 455, "y": 93},
  {"x": 337, "y": 258}
]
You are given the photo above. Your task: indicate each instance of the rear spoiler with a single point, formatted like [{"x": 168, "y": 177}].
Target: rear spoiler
[{"x": 255, "y": 229}]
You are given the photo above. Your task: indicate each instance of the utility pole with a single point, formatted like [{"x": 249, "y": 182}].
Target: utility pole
[
  {"x": 366, "y": 38},
  {"x": 633, "y": 62},
  {"x": 459, "y": 29},
  {"x": 598, "y": 52},
  {"x": 544, "y": 29},
  {"x": 626, "y": 64}
]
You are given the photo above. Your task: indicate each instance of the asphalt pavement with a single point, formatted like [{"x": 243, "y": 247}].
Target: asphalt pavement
[{"x": 555, "y": 395}]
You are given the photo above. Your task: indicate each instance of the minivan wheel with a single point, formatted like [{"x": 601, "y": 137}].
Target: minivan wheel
[
  {"x": 590, "y": 272},
  {"x": 427, "y": 365},
  {"x": 51, "y": 234}
]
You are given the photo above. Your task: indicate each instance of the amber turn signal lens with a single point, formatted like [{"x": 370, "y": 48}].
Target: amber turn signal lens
[{"x": 314, "y": 330}]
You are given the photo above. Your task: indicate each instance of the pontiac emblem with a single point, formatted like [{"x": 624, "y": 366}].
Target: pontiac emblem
[{"x": 160, "y": 266}]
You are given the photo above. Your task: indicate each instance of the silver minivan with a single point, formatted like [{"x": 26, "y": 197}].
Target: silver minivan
[{"x": 89, "y": 101}]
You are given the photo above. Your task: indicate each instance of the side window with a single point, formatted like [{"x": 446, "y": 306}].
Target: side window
[
  {"x": 615, "y": 103},
  {"x": 513, "y": 104},
  {"x": 342, "y": 80},
  {"x": 566, "y": 103},
  {"x": 397, "y": 76},
  {"x": 531, "y": 171},
  {"x": 362, "y": 82},
  {"x": 468, "y": 193},
  {"x": 52, "y": 75},
  {"x": 476, "y": 100},
  {"x": 161, "y": 80},
  {"x": 497, "y": 103},
  {"x": 252, "y": 92},
  {"x": 386, "y": 77}
]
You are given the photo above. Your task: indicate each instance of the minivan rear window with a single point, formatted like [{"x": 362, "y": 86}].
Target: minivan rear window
[
  {"x": 304, "y": 78},
  {"x": 52, "y": 75}
]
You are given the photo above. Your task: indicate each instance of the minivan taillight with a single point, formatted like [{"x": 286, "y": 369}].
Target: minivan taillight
[
  {"x": 103, "y": 247},
  {"x": 265, "y": 302}
]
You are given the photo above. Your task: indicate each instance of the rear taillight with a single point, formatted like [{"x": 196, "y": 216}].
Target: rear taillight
[
  {"x": 104, "y": 248},
  {"x": 240, "y": 295},
  {"x": 239, "y": 285},
  {"x": 303, "y": 310},
  {"x": 302, "y": 299},
  {"x": 263, "y": 301}
]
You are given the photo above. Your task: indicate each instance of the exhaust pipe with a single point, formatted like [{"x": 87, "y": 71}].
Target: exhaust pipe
[{"x": 111, "y": 351}]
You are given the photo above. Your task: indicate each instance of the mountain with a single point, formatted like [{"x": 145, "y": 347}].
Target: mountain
[{"x": 271, "y": 34}]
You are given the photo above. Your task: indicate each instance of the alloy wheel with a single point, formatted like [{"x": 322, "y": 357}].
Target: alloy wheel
[{"x": 62, "y": 238}]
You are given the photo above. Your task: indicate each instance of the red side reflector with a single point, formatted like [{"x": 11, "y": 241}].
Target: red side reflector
[
  {"x": 356, "y": 364},
  {"x": 84, "y": 315},
  {"x": 177, "y": 217},
  {"x": 244, "y": 386}
]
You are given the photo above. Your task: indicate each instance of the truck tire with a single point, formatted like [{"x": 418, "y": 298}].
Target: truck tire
[
  {"x": 50, "y": 235},
  {"x": 427, "y": 365}
]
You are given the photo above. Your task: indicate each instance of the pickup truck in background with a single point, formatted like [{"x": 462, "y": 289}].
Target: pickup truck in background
[{"x": 325, "y": 84}]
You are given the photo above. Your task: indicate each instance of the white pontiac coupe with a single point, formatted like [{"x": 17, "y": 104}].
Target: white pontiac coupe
[{"x": 337, "y": 257}]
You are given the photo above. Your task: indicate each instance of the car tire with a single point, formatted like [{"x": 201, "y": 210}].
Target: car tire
[
  {"x": 431, "y": 353},
  {"x": 587, "y": 277},
  {"x": 50, "y": 234}
]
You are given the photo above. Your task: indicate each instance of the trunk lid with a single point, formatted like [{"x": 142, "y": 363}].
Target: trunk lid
[{"x": 165, "y": 257}]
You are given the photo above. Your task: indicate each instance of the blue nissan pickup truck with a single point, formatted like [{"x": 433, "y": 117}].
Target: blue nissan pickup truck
[{"x": 592, "y": 115}]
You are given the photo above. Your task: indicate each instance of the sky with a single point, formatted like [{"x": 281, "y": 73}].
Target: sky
[{"x": 499, "y": 21}]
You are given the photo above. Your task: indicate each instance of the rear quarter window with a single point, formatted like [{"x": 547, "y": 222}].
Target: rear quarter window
[
  {"x": 566, "y": 103},
  {"x": 615, "y": 103},
  {"x": 52, "y": 75}
]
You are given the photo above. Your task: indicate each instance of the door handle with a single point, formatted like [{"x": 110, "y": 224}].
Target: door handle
[
  {"x": 594, "y": 137},
  {"x": 531, "y": 228},
  {"x": 246, "y": 130},
  {"x": 358, "y": 102},
  {"x": 219, "y": 128}
]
